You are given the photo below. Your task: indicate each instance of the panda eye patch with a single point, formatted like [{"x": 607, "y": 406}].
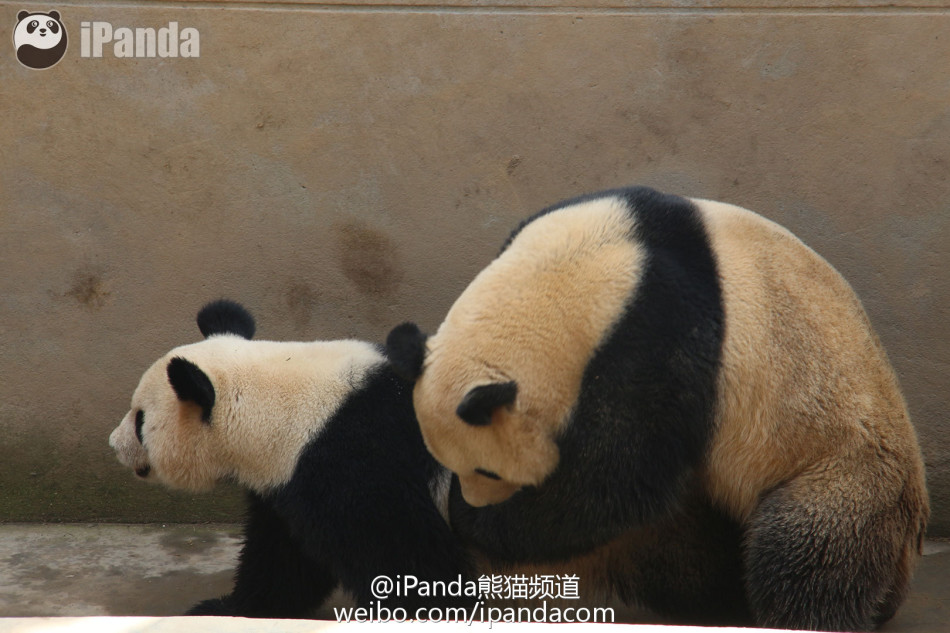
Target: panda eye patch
[
  {"x": 53, "y": 27},
  {"x": 488, "y": 473},
  {"x": 139, "y": 422}
]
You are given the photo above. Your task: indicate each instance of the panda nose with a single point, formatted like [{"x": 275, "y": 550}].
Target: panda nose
[{"x": 42, "y": 31}]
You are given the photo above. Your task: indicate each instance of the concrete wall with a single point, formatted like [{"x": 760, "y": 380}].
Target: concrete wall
[{"x": 342, "y": 168}]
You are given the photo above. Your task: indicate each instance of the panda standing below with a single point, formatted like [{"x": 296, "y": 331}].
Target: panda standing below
[
  {"x": 682, "y": 400},
  {"x": 322, "y": 435}
]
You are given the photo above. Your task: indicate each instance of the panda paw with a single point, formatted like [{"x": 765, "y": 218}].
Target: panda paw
[{"x": 214, "y": 606}]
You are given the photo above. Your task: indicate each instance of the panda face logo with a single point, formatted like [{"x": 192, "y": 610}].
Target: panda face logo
[{"x": 39, "y": 38}]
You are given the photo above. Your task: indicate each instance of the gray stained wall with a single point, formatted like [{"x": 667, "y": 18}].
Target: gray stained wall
[{"x": 342, "y": 167}]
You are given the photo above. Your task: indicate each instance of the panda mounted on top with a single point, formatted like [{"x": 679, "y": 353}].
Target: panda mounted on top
[
  {"x": 322, "y": 436},
  {"x": 681, "y": 400}
]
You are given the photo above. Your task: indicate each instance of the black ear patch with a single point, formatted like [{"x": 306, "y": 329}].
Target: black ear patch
[
  {"x": 225, "y": 317},
  {"x": 406, "y": 350},
  {"x": 479, "y": 403},
  {"x": 191, "y": 385}
]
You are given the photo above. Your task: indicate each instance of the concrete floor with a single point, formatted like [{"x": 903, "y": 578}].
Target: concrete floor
[
  {"x": 89, "y": 570},
  {"x": 159, "y": 570}
]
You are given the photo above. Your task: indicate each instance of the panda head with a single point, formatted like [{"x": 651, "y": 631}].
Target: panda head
[
  {"x": 176, "y": 410},
  {"x": 40, "y": 39},
  {"x": 496, "y": 385},
  {"x": 476, "y": 426},
  {"x": 229, "y": 408}
]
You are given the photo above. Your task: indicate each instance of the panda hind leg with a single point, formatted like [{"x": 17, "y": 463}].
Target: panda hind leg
[{"x": 832, "y": 551}]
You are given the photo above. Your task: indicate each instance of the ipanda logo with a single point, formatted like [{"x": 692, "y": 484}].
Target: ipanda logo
[
  {"x": 39, "y": 39},
  {"x": 167, "y": 41}
]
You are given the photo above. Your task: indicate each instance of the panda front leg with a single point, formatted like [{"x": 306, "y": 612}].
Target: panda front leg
[
  {"x": 833, "y": 549},
  {"x": 274, "y": 577}
]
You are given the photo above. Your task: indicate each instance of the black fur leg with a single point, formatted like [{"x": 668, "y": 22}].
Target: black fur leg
[
  {"x": 686, "y": 568},
  {"x": 215, "y": 606},
  {"x": 829, "y": 555},
  {"x": 274, "y": 578}
]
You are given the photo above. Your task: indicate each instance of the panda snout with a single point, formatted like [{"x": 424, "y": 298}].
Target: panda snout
[{"x": 128, "y": 450}]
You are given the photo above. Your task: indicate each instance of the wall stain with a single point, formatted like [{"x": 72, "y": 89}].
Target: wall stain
[
  {"x": 266, "y": 119},
  {"x": 301, "y": 301},
  {"x": 88, "y": 289},
  {"x": 368, "y": 258}
]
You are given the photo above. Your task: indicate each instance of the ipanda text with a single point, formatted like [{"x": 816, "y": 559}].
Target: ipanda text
[
  {"x": 407, "y": 586},
  {"x": 538, "y": 586}
]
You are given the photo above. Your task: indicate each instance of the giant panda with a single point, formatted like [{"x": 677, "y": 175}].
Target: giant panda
[
  {"x": 322, "y": 435},
  {"x": 683, "y": 400}
]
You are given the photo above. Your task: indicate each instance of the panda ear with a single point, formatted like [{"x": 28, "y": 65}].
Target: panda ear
[
  {"x": 53, "y": 14},
  {"x": 480, "y": 403},
  {"x": 406, "y": 350},
  {"x": 191, "y": 385},
  {"x": 225, "y": 317},
  {"x": 21, "y": 15}
]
